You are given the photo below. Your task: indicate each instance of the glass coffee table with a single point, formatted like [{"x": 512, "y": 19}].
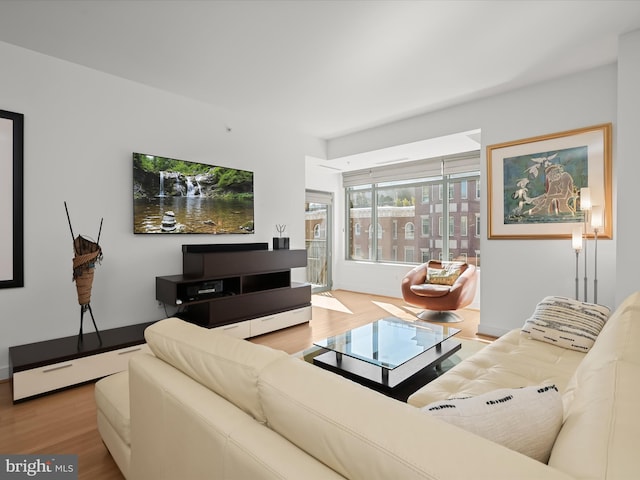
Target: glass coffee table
[{"x": 387, "y": 353}]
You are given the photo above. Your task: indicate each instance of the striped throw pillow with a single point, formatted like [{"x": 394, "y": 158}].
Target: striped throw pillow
[{"x": 566, "y": 322}]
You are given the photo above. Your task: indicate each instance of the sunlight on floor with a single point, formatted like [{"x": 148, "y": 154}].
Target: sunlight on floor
[
  {"x": 396, "y": 311},
  {"x": 328, "y": 302}
]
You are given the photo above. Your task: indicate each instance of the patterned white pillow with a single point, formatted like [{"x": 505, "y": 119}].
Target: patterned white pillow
[
  {"x": 566, "y": 322},
  {"x": 526, "y": 420},
  {"x": 447, "y": 275}
]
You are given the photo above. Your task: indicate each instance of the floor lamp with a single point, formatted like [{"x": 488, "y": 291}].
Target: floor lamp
[
  {"x": 576, "y": 244},
  {"x": 585, "y": 206},
  {"x": 596, "y": 224}
]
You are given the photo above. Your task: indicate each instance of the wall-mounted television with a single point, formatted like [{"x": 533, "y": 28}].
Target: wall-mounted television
[{"x": 178, "y": 196}]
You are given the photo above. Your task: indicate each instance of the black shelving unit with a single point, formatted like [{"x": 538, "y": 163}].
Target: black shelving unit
[{"x": 220, "y": 288}]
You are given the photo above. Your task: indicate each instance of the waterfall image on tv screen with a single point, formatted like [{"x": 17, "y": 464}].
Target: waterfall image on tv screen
[{"x": 177, "y": 196}]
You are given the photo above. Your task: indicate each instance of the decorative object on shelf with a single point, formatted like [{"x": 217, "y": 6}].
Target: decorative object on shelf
[
  {"x": 576, "y": 244},
  {"x": 86, "y": 254},
  {"x": 534, "y": 183},
  {"x": 280, "y": 242},
  {"x": 12, "y": 199}
]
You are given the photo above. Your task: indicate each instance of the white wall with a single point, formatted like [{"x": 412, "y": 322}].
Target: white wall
[
  {"x": 516, "y": 274},
  {"x": 628, "y": 166},
  {"x": 81, "y": 127}
]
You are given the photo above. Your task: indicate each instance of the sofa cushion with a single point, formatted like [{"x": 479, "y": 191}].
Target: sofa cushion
[
  {"x": 511, "y": 361},
  {"x": 599, "y": 436},
  {"x": 566, "y": 322},
  {"x": 526, "y": 420},
  {"x": 227, "y": 365}
]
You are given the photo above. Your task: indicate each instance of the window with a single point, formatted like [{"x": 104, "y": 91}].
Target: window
[
  {"x": 409, "y": 231},
  {"x": 397, "y": 197},
  {"x": 408, "y": 255},
  {"x": 359, "y": 202},
  {"x": 425, "y": 193},
  {"x": 426, "y": 225}
]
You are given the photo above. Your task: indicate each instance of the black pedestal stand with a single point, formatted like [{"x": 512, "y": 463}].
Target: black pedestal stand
[{"x": 84, "y": 308}]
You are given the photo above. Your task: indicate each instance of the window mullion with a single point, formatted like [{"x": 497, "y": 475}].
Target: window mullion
[
  {"x": 445, "y": 218},
  {"x": 374, "y": 223}
]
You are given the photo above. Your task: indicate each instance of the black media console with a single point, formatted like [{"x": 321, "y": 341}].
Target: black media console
[{"x": 226, "y": 286}]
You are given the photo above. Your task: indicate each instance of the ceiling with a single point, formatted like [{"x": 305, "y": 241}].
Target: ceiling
[{"x": 326, "y": 68}]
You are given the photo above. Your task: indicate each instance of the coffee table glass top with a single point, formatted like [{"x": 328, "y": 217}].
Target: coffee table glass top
[{"x": 389, "y": 342}]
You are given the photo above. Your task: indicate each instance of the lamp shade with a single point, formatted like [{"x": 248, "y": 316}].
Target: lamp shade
[
  {"x": 596, "y": 216},
  {"x": 585, "y": 198},
  {"x": 576, "y": 238}
]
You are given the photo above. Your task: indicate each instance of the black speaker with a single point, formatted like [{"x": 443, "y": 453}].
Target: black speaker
[{"x": 223, "y": 247}]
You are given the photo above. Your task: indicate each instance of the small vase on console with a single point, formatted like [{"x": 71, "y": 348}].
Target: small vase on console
[{"x": 281, "y": 243}]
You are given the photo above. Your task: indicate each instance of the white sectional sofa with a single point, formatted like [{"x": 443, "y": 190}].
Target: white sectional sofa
[{"x": 208, "y": 406}]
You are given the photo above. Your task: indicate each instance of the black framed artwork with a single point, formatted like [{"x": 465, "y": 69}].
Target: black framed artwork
[{"x": 12, "y": 199}]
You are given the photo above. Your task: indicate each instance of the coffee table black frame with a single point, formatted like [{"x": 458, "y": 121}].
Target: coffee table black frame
[{"x": 393, "y": 378}]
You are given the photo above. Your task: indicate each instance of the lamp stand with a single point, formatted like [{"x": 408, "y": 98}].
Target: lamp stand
[
  {"x": 586, "y": 222},
  {"x": 595, "y": 267},
  {"x": 577, "y": 282}
]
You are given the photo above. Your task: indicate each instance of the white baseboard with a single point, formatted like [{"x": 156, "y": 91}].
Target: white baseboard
[{"x": 491, "y": 330}]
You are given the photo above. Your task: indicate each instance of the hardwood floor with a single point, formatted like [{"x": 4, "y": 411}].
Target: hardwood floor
[
  {"x": 60, "y": 423},
  {"x": 342, "y": 311},
  {"x": 65, "y": 422}
]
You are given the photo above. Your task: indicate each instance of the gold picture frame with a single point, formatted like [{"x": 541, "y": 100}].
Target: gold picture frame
[{"x": 534, "y": 184}]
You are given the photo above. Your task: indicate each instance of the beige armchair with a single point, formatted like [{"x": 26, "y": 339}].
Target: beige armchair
[{"x": 440, "y": 299}]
